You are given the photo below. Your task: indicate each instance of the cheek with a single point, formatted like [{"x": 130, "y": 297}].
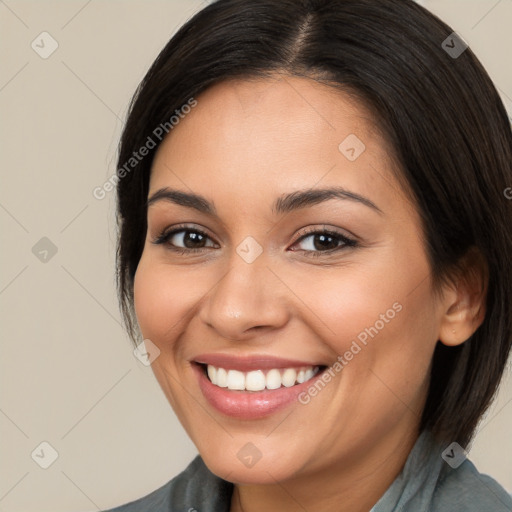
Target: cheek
[
  {"x": 164, "y": 300},
  {"x": 347, "y": 303},
  {"x": 385, "y": 336},
  {"x": 379, "y": 320}
]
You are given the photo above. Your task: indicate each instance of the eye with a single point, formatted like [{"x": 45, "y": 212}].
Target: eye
[
  {"x": 319, "y": 242},
  {"x": 183, "y": 239}
]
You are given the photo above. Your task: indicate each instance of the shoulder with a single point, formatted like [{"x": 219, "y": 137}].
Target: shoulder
[
  {"x": 465, "y": 489},
  {"x": 195, "y": 488},
  {"x": 432, "y": 480}
]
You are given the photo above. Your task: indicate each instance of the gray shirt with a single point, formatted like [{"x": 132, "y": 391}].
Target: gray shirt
[{"x": 427, "y": 483}]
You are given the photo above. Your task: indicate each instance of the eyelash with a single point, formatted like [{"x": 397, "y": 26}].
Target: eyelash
[{"x": 165, "y": 236}]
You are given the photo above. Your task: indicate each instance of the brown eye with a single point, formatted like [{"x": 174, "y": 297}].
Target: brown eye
[
  {"x": 183, "y": 239},
  {"x": 319, "y": 242}
]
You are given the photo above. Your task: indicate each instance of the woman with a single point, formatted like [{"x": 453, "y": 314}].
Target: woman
[{"x": 314, "y": 244}]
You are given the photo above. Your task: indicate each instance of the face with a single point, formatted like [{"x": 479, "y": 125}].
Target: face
[{"x": 261, "y": 290}]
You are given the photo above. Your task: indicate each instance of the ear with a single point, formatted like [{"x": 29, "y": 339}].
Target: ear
[{"x": 464, "y": 300}]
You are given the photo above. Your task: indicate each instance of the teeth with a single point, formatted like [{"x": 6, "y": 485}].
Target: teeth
[
  {"x": 257, "y": 380},
  {"x": 212, "y": 373},
  {"x": 222, "y": 378},
  {"x": 289, "y": 376},
  {"x": 273, "y": 379},
  {"x": 236, "y": 380}
]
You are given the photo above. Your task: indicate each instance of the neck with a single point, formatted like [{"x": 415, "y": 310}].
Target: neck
[{"x": 341, "y": 487}]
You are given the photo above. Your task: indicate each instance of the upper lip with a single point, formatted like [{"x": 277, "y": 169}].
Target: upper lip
[{"x": 248, "y": 363}]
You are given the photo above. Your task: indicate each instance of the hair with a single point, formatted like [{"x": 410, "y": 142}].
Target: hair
[{"x": 442, "y": 115}]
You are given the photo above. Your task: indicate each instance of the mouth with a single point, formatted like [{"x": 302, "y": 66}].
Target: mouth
[
  {"x": 259, "y": 379},
  {"x": 253, "y": 388}
]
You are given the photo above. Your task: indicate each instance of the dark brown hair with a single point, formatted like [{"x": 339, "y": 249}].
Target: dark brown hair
[{"x": 441, "y": 113}]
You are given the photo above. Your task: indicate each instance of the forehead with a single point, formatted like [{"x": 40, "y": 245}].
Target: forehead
[
  {"x": 267, "y": 135},
  {"x": 279, "y": 105}
]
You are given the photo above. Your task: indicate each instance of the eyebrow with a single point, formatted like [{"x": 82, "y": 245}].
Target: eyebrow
[{"x": 284, "y": 204}]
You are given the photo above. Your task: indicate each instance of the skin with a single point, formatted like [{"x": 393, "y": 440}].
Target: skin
[{"x": 246, "y": 143}]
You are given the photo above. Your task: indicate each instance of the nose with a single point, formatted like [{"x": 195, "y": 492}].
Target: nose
[{"x": 248, "y": 299}]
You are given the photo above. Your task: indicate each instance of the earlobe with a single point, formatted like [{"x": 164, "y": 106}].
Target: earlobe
[{"x": 464, "y": 302}]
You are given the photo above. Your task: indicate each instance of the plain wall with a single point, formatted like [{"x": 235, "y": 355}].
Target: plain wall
[{"x": 68, "y": 374}]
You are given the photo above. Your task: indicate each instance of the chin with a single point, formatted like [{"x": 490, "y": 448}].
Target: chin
[
  {"x": 261, "y": 473},
  {"x": 248, "y": 465}
]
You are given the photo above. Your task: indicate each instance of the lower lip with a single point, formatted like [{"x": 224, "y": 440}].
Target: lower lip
[{"x": 249, "y": 405}]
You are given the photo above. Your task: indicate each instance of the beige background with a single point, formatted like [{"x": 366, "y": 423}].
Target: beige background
[{"x": 68, "y": 375}]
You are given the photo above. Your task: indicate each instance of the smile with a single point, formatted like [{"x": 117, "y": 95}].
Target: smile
[
  {"x": 258, "y": 380},
  {"x": 253, "y": 387}
]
